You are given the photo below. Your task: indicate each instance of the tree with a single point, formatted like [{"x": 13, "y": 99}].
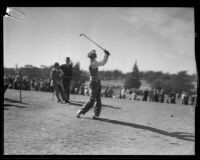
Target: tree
[
  {"x": 168, "y": 85},
  {"x": 177, "y": 82},
  {"x": 183, "y": 82},
  {"x": 84, "y": 76},
  {"x": 157, "y": 84},
  {"x": 110, "y": 75},
  {"x": 28, "y": 66},
  {"x": 132, "y": 80},
  {"x": 79, "y": 76},
  {"x": 10, "y": 71},
  {"x": 116, "y": 74},
  {"x": 43, "y": 66}
]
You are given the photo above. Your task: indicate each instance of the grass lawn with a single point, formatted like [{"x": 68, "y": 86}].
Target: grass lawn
[{"x": 41, "y": 126}]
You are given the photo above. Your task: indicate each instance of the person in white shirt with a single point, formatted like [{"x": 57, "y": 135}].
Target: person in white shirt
[{"x": 95, "y": 85}]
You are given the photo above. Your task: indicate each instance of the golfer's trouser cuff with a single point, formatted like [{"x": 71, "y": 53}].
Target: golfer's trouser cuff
[
  {"x": 87, "y": 106},
  {"x": 97, "y": 108}
]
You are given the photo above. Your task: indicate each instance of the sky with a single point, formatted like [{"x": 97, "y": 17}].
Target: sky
[{"x": 159, "y": 39}]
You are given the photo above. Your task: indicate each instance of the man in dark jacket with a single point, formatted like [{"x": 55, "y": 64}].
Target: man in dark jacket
[{"x": 67, "y": 76}]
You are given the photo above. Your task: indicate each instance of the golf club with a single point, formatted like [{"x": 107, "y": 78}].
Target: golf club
[{"x": 92, "y": 41}]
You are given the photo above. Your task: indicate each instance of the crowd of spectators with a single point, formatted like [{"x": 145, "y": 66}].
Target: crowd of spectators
[
  {"x": 27, "y": 83},
  {"x": 82, "y": 90},
  {"x": 131, "y": 94},
  {"x": 159, "y": 96}
]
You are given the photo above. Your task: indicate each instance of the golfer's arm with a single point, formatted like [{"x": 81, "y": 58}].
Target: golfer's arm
[{"x": 100, "y": 63}]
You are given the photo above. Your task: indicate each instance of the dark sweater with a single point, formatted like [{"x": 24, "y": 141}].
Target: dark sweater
[{"x": 67, "y": 70}]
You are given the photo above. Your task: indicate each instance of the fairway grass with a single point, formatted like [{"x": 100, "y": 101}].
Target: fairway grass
[{"x": 41, "y": 126}]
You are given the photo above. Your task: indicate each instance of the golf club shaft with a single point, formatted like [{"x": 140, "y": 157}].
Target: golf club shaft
[{"x": 92, "y": 41}]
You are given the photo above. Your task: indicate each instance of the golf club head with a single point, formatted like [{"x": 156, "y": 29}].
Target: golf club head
[{"x": 81, "y": 34}]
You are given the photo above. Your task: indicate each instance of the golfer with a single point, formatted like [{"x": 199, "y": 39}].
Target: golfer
[{"x": 95, "y": 85}]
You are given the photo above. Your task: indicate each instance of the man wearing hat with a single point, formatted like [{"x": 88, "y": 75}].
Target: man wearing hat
[
  {"x": 95, "y": 85},
  {"x": 67, "y": 76},
  {"x": 56, "y": 83}
]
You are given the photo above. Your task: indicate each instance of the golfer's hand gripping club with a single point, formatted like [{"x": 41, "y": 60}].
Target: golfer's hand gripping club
[{"x": 106, "y": 52}]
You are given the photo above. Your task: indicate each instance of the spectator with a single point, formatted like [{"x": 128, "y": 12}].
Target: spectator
[
  {"x": 32, "y": 84},
  {"x": 193, "y": 99},
  {"x": 134, "y": 95},
  {"x": 76, "y": 90},
  {"x": 172, "y": 97},
  {"x": 183, "y": 97},
  {"x": 123, "y": 93},
  {"x": 37, "y": 85},
  {"x": 151, "y": 96},
  {"x": 186, "y": 98},
  {"x": 110, "y": 92},
  {"x": 81, "y": 89},
  {"x": 55, "y": 76},
  {"x": 162, "y": 96},
  {"x": 106, "y": 92},
  {"x": 156, "y": 96},
  {"x": 16, "y": 83},
  {"x": 145, "y": 95},
  {"x": 25, "y": 83},
  {"x": 86, "y": 92}
]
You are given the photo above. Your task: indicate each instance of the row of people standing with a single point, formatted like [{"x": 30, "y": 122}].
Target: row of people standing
[
  {"x": 172, "y": 97},
  {"x": 158, "y": 96},
  {"x": 41, "y": 85},
  {"x": 82, "y": 90},
  {"x": 15, "y": 83},
  {"x": 28, "y": 83},
  {"x": 61, "y": 79}
]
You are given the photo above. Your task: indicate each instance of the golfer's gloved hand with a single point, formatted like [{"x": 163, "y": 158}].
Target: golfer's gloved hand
[{"x": 106, "y": 52}]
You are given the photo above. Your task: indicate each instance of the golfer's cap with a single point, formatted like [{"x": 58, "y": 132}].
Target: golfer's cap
[{"x": 92, "y": 53}]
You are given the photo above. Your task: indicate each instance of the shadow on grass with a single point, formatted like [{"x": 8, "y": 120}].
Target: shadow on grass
[
  {"x": 12, "y": 105},
  {"x": 13, "y": 101},
  {"x": 180, "y": 135},
  {"x": 79, "y": 103}
]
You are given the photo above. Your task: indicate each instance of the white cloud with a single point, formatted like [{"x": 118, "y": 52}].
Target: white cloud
[{"x": 174, "y": 24}]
